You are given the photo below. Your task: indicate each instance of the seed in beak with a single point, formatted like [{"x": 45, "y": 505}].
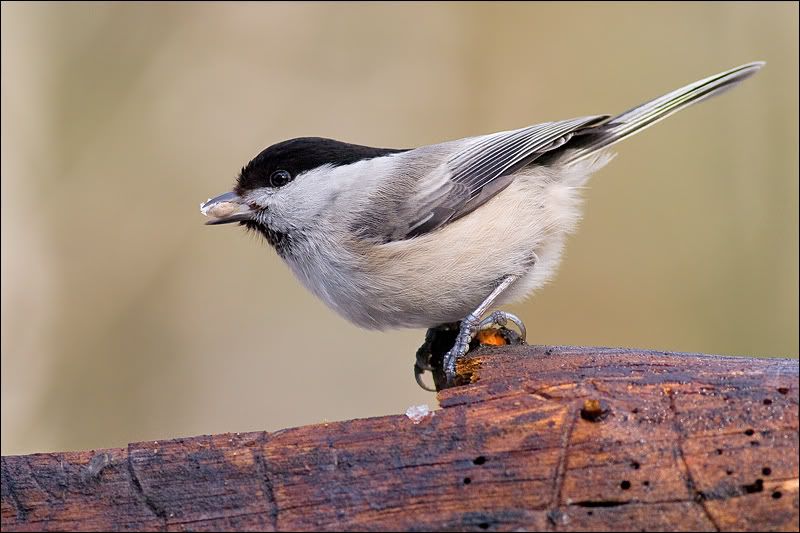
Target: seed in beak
[{"x": 220, "y": 209}]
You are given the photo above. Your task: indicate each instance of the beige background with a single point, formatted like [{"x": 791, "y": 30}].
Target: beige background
[{"x": 125, "y": 319}]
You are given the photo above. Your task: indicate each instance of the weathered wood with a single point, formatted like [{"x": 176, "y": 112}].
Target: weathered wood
[{"x": 545, "y": 438}]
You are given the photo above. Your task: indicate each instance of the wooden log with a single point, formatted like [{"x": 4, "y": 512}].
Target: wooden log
[{"x": 542, "y": 438}]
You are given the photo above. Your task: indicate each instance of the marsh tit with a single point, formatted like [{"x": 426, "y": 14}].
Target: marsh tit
[{"x": 396, "y": 238}]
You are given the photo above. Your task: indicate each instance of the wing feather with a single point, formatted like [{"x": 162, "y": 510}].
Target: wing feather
[
  {"x": 484, "y": 167},
  {"x": 425, "y": 195}
]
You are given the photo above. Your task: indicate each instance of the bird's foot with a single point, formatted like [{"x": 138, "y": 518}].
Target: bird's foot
[
  {"x": 470, "y": 327},
  {"x": 442, "y": 339}
]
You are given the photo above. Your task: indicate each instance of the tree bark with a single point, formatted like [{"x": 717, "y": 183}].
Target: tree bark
[{"x": 542, "y": 438}]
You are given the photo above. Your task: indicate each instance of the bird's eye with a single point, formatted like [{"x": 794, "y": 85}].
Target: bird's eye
[{"x": 279, "y": 178}]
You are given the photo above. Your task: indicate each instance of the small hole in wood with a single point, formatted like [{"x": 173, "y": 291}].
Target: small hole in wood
[
  {"x": 483, "y": 525},
  {"x": 767, "y": 401},
  {"x": 749, "y": 432},
  {"x": 783, "y": 390},
  {"x": 467, "y": 481},
  {"x": 590, "y": 513},
  {"x": 776, "y": 495},
  {"x": 755, "y": 443},
  {"x": 625, "y": 485},
  {"x": 729, "y": 472},
  {"x": 479, "y": 460},
  {"x": 719, "y": 451},
  {"x": 646, "y": 483},
  {"x": 635, "y": 465},
  {"x": 594, "y": 410},
  {"x": 635, "y": 410},
  {"x": 758, "y": 486},
  {"x": 766, "y": 470}
]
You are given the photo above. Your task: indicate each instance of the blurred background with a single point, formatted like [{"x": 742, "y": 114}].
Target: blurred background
[{"x": 124, "y": 318}]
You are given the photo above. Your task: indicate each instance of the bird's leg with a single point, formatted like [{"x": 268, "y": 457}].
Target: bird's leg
[{"x": 472, "y": 323}]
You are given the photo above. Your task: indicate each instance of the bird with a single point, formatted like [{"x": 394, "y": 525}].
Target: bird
[{"x": 397, "y": 238}]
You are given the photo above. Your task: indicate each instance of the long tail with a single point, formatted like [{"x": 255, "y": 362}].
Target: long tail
[{"x": 590, "y": 140}]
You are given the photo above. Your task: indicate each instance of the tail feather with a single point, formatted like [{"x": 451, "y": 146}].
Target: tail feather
[{"x": 590, "y": 140}]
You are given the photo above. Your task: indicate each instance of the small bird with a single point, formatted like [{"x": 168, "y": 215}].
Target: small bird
[{"x": 397, "y": 238}]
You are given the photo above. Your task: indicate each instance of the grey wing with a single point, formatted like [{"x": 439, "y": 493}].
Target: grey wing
[{"x": 480, "y": 169}]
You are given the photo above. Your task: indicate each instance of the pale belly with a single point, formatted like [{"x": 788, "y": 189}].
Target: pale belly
[{"x": 441, "y": 277}]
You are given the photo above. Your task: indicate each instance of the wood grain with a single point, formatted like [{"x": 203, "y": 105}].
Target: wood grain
[{"x": 685, "y": 442}]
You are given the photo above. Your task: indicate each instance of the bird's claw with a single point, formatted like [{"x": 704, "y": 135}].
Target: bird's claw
[
  {"x": 502, "y": 318},
  {"x": 418, "y": 372}
]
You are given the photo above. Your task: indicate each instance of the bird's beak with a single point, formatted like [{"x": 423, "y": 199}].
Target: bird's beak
[{"x": 226, "y": 208}]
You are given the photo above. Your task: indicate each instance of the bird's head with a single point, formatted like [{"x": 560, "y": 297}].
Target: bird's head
[{"x": 287, "y": 187}]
